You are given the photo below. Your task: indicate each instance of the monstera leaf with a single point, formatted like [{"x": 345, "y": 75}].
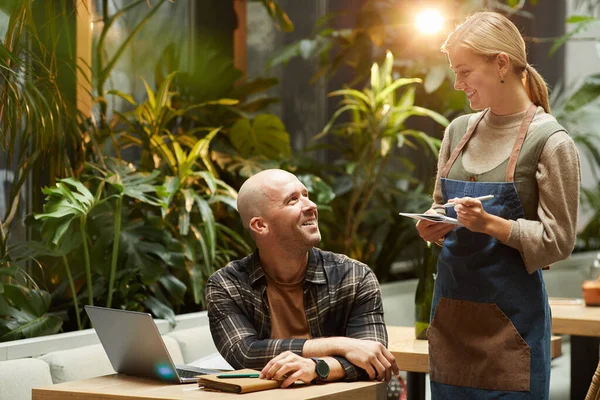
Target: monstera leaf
[
  {"x": 128, "y": 182},
  {"x": 25, "y": 313},
  {"x": 265, "y": 136},
  {"x": 147, "y": 248},
  {"x": 68, "y": 200},
  {"x": 63, "y": 204}
]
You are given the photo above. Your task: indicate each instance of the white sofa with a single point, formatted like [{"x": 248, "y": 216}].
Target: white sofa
[
  {"x": 44, "y": 361},
  {"x": 18, "y": 377}
]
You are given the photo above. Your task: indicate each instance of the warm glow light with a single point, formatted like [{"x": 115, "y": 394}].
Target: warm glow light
[{"x": 429, "y": 21}]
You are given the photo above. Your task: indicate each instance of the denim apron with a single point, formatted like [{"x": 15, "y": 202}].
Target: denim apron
[{"x": 489, "y": 336}]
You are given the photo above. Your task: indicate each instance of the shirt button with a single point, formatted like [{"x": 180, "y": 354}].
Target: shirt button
[{"x": 473, "y": 179}]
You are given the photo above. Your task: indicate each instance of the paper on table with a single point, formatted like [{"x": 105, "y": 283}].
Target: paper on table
[
  {"x": 432, "y": 218},
  {"x": 212, "y": 361}
]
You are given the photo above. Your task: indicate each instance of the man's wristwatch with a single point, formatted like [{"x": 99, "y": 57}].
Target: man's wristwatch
[{"x": 321, "y": 368}]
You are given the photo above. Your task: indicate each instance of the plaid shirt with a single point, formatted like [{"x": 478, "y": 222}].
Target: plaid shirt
[{"x": 341, "y": 298}]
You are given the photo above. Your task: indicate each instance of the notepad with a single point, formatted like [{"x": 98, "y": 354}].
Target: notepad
[
  {"x": 237, "y": 385},
  {"x": 212, "y": 361},
  {"x": 432, "y": 218}
]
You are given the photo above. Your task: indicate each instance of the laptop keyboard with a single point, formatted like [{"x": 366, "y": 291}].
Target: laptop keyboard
[{"x": 184, "y": 373}]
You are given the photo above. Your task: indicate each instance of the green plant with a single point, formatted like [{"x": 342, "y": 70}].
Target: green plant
[
  {"x": 191, "y": 179},
  {"x": 369, "y": 142},
  {"x": 381, "y": 26},
  {"x": 37, "y": 121},
  {"x": 138, "y": 256},
  {"x": 581, "y": 21},
  {"x": 127, "y": 182},
  {"x": 43, "y": 142},
  {"x": 63, "y": 206},
  {"x": 119, "y": 246},
  {"x": 103, "y": 67},
  {"x": 26, "y": 311}
]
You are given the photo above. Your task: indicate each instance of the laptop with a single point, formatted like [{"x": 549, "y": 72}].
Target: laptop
[{"x": 134, "y": 346}]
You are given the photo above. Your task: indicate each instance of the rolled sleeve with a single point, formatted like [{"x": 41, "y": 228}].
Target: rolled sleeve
[
  {"x": 552, "y": 237},
  {"x": 366, "y": 319},
  {"x": 366, "y": 322}
]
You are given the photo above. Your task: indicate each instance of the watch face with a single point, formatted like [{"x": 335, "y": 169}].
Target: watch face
[{"x": 322, "y": 369}]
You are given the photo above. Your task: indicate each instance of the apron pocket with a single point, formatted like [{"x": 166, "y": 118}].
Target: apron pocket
[{"x": 476, "y": 345}]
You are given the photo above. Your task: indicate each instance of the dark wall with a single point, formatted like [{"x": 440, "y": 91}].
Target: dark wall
[
  {"x": 214, "y": 20},
  {"x": 549, "y": 21},
  {"x": 304, "y": 107}
]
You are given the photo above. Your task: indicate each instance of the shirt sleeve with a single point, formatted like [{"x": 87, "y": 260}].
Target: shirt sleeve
[
  {"x": 365, "y": 322},
  {"x": 234, "y": 334},
  {"x": 552, "y": 238}
]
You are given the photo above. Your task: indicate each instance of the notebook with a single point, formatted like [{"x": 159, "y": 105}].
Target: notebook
[
  {"x": 432, "y": 218},
  {"x": 134, "y": 346},
  {"x": 237, "y": 385}
]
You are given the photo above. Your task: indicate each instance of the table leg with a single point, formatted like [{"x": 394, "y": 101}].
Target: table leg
[
  {"x": 415, "y": 386},
  {"x": 584, "y": 361}
]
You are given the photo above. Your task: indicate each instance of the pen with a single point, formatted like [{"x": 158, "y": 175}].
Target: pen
[
  {"x": 227, "y": 376},
  {"x": 480, "y": 198}
]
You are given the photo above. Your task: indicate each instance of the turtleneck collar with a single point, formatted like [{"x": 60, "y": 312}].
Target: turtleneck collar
[{"x": 503, "y": 121}]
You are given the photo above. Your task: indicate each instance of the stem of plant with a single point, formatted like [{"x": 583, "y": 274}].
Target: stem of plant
[
  {"x": 115, "y": 251},
  {"x": 73, "y": 292},
  {"x": 86, "y": 256}
]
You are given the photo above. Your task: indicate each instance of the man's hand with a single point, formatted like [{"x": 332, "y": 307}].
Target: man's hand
[
  {"x": 289, "y": 367},
  {"x": 371, "y": 356}
]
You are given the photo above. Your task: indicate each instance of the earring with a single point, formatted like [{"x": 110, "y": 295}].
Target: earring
[{"x": 501, "y": 79}]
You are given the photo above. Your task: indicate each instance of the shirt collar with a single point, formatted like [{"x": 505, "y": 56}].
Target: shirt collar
[{"x": 315, "y": 271}]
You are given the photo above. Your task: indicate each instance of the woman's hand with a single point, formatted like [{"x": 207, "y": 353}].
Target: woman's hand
[
  {"x": 433, "y": 231},
  {"x": 471, "y": 214}
]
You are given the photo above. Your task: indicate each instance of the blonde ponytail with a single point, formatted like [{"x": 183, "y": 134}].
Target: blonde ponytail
[{"x": 536, "y": 88}]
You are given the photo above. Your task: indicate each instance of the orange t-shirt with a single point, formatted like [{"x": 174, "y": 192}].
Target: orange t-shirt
[{"x": 286, "y": 307}]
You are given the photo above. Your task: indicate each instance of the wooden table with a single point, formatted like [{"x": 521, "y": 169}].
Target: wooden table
[
  {"x": 412, "y": 356},
  {"x": 583, "y": 324},
  {"x": 124, "y": 387}
]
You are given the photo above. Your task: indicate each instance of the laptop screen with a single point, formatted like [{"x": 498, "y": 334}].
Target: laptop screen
[{"x": 132, "y": 343}]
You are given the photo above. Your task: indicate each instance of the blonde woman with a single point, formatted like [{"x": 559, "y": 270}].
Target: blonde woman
[{"x": 489, "y": 336}]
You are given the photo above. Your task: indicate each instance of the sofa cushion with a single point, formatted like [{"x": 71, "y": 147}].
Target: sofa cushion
[
  {"x": 79, "y": 363},
  {"x": 18, "y": 377},
  {"x": 194, "y": 343},
  {"x": 91, "y": 361}
]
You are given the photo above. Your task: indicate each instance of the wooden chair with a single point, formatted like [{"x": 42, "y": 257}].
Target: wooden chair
[{"x": 594, "y": 390}]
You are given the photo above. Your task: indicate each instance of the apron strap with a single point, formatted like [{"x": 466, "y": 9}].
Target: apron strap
[
  {"x": 514, "y": 156},
  {"x": 461, "y": 144}
]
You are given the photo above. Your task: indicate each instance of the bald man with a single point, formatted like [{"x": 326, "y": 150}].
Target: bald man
[{"x": 290, "y": 309}]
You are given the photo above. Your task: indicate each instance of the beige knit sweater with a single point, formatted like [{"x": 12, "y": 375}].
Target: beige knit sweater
[{"x": 552, "y": 237}]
